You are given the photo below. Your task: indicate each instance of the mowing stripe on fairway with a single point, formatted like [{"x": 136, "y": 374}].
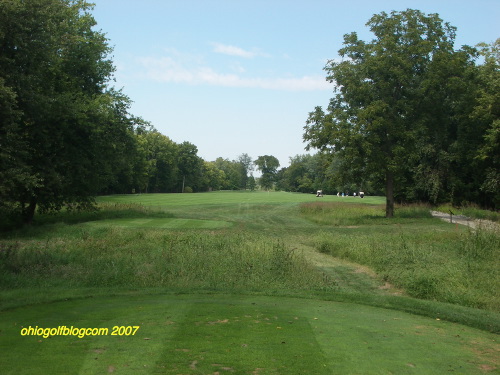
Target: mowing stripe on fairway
[{"x": 206, "y": 334}]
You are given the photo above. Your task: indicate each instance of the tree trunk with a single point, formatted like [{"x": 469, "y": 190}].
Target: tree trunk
[
  {"x": 29, "y": 212},
  {"x": 389, "y": 193}
]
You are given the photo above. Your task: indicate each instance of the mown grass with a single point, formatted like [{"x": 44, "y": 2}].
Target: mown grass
[{"x": 238, "y": 334}]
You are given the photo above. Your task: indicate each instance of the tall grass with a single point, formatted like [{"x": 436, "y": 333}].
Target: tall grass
[
  {"x": 427, "y": 258},
  {"x": 111, "y": 256},
  {"x": 458, "y": 266},
  {"x": 471, "y": 210},
  {"x": 413, "y": 251},
  {"x": 340, "y": 213},
  {"x": 352, "y": 214}
]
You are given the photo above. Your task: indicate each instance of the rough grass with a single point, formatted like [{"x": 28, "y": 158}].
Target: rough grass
[
  {"x": 459, "y": 266},
  {"x": 260, "y": 251},
  {"x": 104, "y": 256}
]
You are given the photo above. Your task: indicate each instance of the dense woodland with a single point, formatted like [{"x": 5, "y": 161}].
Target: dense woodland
[{"x": 411, "y": 118}]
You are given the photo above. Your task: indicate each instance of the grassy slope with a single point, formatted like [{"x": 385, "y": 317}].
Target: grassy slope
[{"x": 190, "y": 334}]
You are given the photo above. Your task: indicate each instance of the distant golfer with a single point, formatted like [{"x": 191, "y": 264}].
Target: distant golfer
[{"x": 361, "y": 194}]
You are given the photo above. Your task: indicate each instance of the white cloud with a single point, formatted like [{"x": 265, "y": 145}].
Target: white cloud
[
  {"x": 167, "y": 69},
  {"x": 233, "y": 51}
]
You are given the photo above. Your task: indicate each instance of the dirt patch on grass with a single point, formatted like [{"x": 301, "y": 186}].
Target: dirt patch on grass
[{"x": 391, "y": 289}]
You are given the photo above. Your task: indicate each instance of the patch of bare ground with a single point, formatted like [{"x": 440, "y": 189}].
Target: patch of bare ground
[{"x": 488, "y": 355}]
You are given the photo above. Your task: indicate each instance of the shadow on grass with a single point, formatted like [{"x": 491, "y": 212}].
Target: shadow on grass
[{"x": 103, "y": 211}]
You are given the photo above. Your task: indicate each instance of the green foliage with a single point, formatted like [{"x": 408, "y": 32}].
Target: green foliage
[
  {"x": 268, "y": 165},
  {"x": 268, "y": 249},
  {"x": 413, "y": 112},
  {"x": 487, "y": 110},
  {"x": 305, "y": 175},
  {"x": 66, "y": 132}
]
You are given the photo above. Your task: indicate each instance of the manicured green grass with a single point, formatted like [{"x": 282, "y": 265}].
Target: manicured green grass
[
  {"x": 229, "y": 198},
  {"x": 207, "y": 334},
  {"x": 198, "y": 271}
]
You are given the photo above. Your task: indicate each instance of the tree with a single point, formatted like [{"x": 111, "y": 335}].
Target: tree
[
  {"x": 251, "y": 183},
  {"x": 190, "y": 166},
  {"x": 375, "y": 121},
  {"x": 246, "y": 167},
  {"x": 161, "y": 155},
  {"x": 213, "y": 177},
  {"x": 67, "y": 133},
  {"x": 232, "y": 172},
  {"x": 268, "y": 165},
  {"x": 487, "y": 110}
]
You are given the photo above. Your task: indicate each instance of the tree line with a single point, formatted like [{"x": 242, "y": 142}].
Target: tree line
[
  {"x": 156, "y": 164},
  {"x": 412, "y": 117}
]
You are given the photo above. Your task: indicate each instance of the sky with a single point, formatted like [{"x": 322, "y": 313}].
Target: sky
[{"x": 241, "y": 76}]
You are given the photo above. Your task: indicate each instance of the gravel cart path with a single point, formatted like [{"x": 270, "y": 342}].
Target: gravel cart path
[{"x": 464, "y": 220}]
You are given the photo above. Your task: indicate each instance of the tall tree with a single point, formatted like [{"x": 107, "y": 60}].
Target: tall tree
[
  {"x": 487, "y": 111},
  {"x": 162, "y": 169},
  {"x": 73, "y": 131},
  {"x": 268, "y": 165},
  {"x": 190, "y": 166},
  {"x": 232, "y": 173},
  {"x": 246, "y": 167},
  {"x": 213, "y": 177},
  {"x": 375, "y": 120}
]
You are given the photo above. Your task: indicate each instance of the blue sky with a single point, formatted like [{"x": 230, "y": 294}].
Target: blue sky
[{"x": 237, "y": 77}]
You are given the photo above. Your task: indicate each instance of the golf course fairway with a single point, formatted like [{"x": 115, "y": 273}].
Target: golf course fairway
[{"x": 234, "y": 334}]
